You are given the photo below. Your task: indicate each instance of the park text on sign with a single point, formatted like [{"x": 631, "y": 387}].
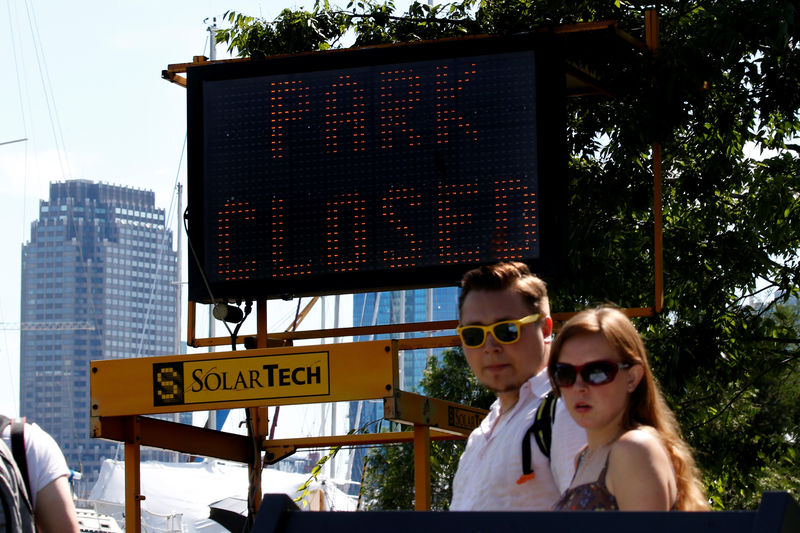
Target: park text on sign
[
  {"x": 243, "y": 378},
  {"x": 328, "y": 178}
]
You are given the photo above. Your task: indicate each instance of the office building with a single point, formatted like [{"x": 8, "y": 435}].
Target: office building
[
  {"x": 398, "y": 307},
  {"x": 98, "y": 282}
]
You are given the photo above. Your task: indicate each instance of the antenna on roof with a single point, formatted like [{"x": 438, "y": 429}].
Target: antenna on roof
[{"x": 212, "y": 39}]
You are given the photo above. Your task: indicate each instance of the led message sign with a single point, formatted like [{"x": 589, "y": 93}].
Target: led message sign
[{"x": 369, "y": 169}]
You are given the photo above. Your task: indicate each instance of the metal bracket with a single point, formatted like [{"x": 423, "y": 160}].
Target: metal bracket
[{"x": 273, "y": 454}]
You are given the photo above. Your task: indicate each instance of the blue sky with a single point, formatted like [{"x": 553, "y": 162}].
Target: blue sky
[{"x": 82, "y": 83}]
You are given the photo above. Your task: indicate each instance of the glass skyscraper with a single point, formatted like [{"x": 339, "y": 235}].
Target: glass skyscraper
[
  {"x": 99, "y": 281},
  {"x": 398, "y": 307}
]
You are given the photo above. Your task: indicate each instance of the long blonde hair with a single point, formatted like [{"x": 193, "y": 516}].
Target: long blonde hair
[{"x": 646, "y": 405}]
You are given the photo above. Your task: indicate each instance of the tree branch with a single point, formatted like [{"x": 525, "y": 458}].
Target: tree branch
[
  {"x": 404, "y": 19},
  {"x": 743, "y": 297},
  {"x": 742, "y": 391}
]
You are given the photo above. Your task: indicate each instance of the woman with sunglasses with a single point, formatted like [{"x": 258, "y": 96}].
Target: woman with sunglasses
[{"x": 635, "y": 458}]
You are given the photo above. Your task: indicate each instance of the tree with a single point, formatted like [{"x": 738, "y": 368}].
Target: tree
[{"x": 722, "y": 97}]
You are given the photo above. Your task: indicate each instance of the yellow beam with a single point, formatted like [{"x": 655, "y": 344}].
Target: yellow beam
[
  {"x": 133, "y": 491},
  {"x": 302, "y": 315},
  {"x": 256, "y": 433},
  {"x": 658, "y": 246},
  {"x": 420, "y": 343},
  {"x": 439, "y": 325},
  {"x": 259, "y": 418},
  {"x": 191, "y": 318},
  {"x": 451, "y": 417},
  {"x": 422, "y": 468},
  {"x": 173, "y": 436},
  {"x": 277, "y": 449},
  {"x": 174, "y": 78},
  {"x": 360, "y": 439},
  {"x": 251, "y": 378},
  {"x": 192, "y": 440},
  {"x": 385, "y": 329},
  {"x": 630, "y": 312},
  {"x": 277, "y": 340},
  {"x": 271, "y": 342},
  {"x": 651, "y": 29},
  {"x": 261, "y": 325},
  {"x": 651, "y": 32}
]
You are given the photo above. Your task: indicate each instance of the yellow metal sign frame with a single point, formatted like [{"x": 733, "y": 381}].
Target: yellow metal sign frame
[
  {"x": 248, "y": 378},
  {"x": 415, "y": 409}
]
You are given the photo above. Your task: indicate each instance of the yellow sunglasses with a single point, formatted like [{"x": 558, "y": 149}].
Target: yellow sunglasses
[{"x": 505, "y": 331}]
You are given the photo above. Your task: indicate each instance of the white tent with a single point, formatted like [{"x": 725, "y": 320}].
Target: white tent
[{"x": 178, "y": 495}]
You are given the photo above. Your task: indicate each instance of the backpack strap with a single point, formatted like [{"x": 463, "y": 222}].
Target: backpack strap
[
  {"x": 542, "y": 427},
  {"x": 18, "y": 450},
  {"x": 542, "y": 430},
  {"x": 16, "y": 511}
]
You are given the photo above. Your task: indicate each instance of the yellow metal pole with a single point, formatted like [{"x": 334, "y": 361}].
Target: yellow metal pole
[
  {"x": 651, "y": 29},
  {"x": 259, "y": 418},
  {"x": 190, "y": 319},
  {"x": 133, "y": 497},
  {"x": 303, "y": 313},
  {"x": 658, "y": 246},
  {"x": 422, "y": 467},
  {"x": 261, "y": 324},
  {"x": 651, "y": 36}
]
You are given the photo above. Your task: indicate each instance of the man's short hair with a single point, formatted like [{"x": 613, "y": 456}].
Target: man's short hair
[{"x": 507, "y": 275}]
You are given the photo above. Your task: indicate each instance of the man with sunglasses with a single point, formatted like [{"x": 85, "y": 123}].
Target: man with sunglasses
[{"x": 505, "y": 333}]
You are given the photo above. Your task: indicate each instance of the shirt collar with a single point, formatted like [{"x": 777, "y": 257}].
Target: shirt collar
[{"x": 538, "y": 385}]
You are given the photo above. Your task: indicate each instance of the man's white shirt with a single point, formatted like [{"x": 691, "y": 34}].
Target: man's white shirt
[{"x": 491, "y": 466}]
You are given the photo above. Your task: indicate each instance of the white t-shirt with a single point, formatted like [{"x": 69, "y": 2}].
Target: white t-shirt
[
  {"x": 491, "y": 466},
  {"x": 46, "y": 463}
]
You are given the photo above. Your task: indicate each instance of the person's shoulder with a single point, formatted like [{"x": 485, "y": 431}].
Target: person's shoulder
[
  {"x": 35, "y": 432},
  {"x": 639, "y": 445},
  {"x": 31, "y": 431},
  {"x": 640, "y": 473},
  {"x": 642, "y": 435},
  {"x": 40, "y": 441}
]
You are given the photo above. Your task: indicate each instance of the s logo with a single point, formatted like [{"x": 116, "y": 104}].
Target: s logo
[{"x": 168, "y": 383}]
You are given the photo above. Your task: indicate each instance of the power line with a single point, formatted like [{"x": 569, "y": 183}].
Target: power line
[{"x": 14, "y": 141}]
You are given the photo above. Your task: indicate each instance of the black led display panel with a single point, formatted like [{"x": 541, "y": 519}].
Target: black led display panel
[{"x": 373, "y": 169}]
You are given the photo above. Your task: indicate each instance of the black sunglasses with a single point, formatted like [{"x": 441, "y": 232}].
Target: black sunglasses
[{"x": 593, "y": 373}]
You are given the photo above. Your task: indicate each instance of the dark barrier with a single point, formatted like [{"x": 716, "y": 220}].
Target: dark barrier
[{"x": 777, "y": 513}]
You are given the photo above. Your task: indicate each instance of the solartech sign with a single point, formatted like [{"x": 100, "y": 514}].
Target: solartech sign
[
  {"x": 243, "y": 378},
  {"x": 247, "y": 378}
]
